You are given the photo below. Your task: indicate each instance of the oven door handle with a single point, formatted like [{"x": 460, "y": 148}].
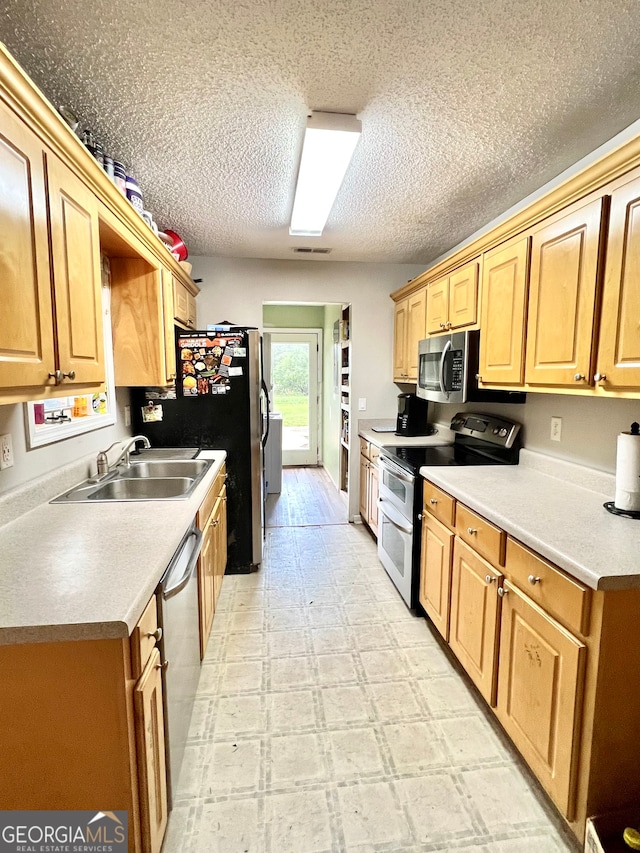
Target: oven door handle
[
  {"x": 383, "y": 464},
  {"x": 382, "y": 505},
  {"x": 445, "y": 350}
]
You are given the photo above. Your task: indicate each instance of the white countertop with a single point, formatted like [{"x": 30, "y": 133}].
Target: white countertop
[
  {"x": 389, "y": 439},
  {"x": 86, "y": 570},
  {"x": 561, "y": 517}
]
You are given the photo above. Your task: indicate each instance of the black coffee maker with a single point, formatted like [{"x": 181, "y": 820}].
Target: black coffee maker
[{"x": 412, "y": 415}]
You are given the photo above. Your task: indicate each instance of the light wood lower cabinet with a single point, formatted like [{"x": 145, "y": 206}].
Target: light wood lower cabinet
[
  {"x": 435, "y": 572},
  {"x": 540, "y": 693},
  {"x": 83, "y": 728},
  {"x": 368, "y": 486},
  {"x": 473, "y": 623},
  {"x": 212, "y": 562},
  {"x": 152, "y": 761}
]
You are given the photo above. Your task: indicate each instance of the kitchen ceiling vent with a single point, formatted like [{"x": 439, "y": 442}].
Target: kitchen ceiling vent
[{"x": 307, "y": 250}]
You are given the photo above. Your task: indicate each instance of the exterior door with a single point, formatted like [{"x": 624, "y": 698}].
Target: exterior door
[
  {"x": 505, "y": 281},
  {"x": 473, "y": 625},
  {"x": 540, "y": 692},
  {"x": 564, "y": 280},
  {"x": 618, "y": 364},
  {"x": 295, "y": 381},
  {"x": 435, "y": 572}
]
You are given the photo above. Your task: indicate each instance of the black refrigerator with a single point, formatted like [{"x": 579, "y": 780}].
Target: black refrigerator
[{"x": 220, "y": 403}]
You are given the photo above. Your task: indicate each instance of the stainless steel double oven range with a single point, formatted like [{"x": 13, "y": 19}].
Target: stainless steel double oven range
[{"x": 479, "y": 440}]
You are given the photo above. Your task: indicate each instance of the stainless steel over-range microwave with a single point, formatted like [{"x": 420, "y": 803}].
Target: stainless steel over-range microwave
[{"x": 448, "y": 370}]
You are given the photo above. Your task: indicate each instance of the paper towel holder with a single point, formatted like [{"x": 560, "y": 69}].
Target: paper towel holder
[{"x": 626, "y": 513}]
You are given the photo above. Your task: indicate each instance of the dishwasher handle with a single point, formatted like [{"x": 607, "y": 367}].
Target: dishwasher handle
[{"x": 182, "y": 565}]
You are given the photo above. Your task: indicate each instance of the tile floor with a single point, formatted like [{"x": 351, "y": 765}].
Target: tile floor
[{"x": 329, "y": 719}]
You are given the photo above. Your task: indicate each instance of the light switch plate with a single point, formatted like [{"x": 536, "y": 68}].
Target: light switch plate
[
  {"x": 362, "y": 404},
  {"x": 127, "y": 416},
  {"x": 556, "y": 429}
]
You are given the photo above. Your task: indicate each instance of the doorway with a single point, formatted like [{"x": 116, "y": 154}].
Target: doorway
[{"x": 296, "y": 393}]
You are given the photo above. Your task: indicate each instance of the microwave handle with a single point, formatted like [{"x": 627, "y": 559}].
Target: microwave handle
[{"x": 445, "y": 350}]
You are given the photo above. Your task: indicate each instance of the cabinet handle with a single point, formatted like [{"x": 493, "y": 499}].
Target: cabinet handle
[
  {"x": 502, "y": 591},
  {"x": 433, "y": 501},
  {"x": 58, "y": 376},
  {"x": 442, "y": 325},
  {"x": 419, "y": 516},
  {"x": 599, "y": 377},
  {"x": 471, "y": 531},
  {"x": 163, "y": 665},
  {"x": 578, "y": 377},
  {"x": 490, "y": 579},
  {"x": 449, "y": 326},
  {"x": 533, "y": 580},
  {"x": 215, "y": 522},
  {"x": 157, "y": 634},
  {"x": 478, "y": 377}
]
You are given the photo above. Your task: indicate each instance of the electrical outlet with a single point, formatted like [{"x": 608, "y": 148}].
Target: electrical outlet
[
  {"x": 6, "y": 451},
  {"x": 556, "y": 429},
  {"x": 127, "y": 416},
  {"x": 362, "y": 404}
]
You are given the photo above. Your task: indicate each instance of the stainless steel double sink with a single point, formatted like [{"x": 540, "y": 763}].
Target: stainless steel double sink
[{"x": 167, "y": 479}]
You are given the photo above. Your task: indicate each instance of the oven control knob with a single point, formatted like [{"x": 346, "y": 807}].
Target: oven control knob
[
  {"x": 496, "y": 431},
  {"x": 502, "y": 432}
]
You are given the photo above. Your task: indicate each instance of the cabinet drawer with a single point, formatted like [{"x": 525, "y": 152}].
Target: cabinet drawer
[
  {"x": 557, "y": 593},
  {"x": 206, "y": 507},
  {"x": 374, "y": 453},
  {"x": 143, "y": 638},
  {"x": 364, "y": 447},
  {"x": 487, "y": 539},
  {"x": 439, "y": 504}
]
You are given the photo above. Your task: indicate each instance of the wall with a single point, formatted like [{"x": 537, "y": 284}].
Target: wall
[
  {"x": 589, "y": 426},
  {"x": 293, "y": 316},
  {"x": 234, "y": 289},
  {"x": 29, "y": 464}
]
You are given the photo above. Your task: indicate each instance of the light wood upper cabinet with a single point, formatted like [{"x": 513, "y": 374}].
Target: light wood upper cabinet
[
  {"x": 409, "y": 330},
  {"x": 565, "y": 261},
  {"x": 435, "y": 572},
  {"x": 400, "y": 341},
  {"x": 618, "y": 361},
  {"x": 26, "y": 333},
  {"x": 184, "y": 304},
  {"x": 54, "y": 334},
  {"x": 75, "y": 250},
  {"x": 540, "y": 693},
  {"x": 168, "y": 292},
  {"x": 437, "y": 305},
  {"x": 473, "y": 623},
  {"x": 505, "y": 283}
]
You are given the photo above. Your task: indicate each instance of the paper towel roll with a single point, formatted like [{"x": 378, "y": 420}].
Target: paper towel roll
[{"x": 628, "y": 472}]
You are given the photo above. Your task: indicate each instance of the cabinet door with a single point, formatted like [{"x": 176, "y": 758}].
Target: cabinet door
[
  {"x": 400, "y": 328},
  {"x": 169, "y": 327},
  {"x": 75, "y": 251},
  {"x": 438, "y": 306},
  {"x": 540, "y": 692},
  {"x": 619, "y": 344},
  {"x": 152, "y": 767},
  {"x": 505, "y": 281},
  {"x": 435, "y": 572},
  {"x": 564, "y": 279},
  {"x": 416, "y": 330},
  {"x": 463, "y": 296},
  {"x": 364, "y": 488},
  {"x": 473, "y": 623},
  {"x": 206, "y": 584},
  {"x": 220, "y": 524},
  {"x": 26, "y": 332},
  {"x": 373, "y": 498},
  {"x": 180, "y": 302}
]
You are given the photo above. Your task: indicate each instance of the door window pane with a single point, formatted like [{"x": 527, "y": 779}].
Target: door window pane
[{"x": 290, "y": 374}]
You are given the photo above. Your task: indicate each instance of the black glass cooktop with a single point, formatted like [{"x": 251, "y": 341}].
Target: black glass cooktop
[{"x": 472, "y": 452}]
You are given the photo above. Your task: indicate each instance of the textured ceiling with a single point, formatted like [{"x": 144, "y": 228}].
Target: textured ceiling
[{"x": 466, "y": 107}]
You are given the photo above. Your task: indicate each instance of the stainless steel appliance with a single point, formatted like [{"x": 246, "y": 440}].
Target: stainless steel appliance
[
  {"x": 221, "y": 403},
  {"x": 479, "y": 440},
  {"x": 448, "y": 371},
  {"x": 178, "y": 619},
  {"x": 413, "y": 414}
]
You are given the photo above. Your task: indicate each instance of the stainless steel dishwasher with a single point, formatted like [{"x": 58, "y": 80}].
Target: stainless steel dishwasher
[{"x": 178, "y": 617}]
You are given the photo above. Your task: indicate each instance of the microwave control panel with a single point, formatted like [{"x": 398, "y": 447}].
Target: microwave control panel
[{"x": 457, "y": 371}]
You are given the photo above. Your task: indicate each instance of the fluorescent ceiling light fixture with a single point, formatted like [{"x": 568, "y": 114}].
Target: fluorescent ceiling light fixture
[{"x": 329, "y": 142}]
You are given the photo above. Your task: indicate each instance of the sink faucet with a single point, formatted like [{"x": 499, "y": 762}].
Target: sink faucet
[{"x": 103, "y": 462}]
